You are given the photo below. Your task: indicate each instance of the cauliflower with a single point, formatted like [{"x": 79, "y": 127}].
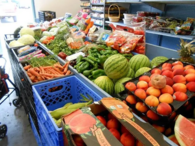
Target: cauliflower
[
  {"x": 26, "y": 39},
  {"x": 15, "y": 44},
  {"x": 26, "y": 30}
]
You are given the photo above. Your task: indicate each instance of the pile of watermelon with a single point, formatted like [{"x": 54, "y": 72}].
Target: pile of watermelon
[{"x": 119, "y": 70}]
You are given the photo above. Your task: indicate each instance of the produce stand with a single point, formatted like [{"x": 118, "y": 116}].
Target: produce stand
[{"x": 46, "y": 101}]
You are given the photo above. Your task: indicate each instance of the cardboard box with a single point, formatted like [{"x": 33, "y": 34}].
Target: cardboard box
[{"x": 94, "y": 133}]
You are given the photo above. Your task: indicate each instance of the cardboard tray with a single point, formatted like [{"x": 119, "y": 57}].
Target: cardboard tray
[
  {"x": 142, "y": 131},
  {"x": 175, "y": 105}
]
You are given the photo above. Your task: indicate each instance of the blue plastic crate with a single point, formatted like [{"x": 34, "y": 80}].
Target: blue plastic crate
[
  {"x": 35, "y": 132},
  {"x": 45, "y": 139},
  {"x": 46, "y": 101}
]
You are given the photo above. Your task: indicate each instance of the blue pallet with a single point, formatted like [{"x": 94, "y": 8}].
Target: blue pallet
[
  {"x": 35, "y": 132},
  {"x": 46, "y": 101}
]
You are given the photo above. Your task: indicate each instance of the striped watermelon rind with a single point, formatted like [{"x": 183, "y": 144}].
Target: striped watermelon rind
[
  {"x": 184, "y": 131},
  {"x": 158, "y": 60},
  {"x": 142, "y": 71},
  {"x": 119, "y": 87},
  {"x": 105, "y": 83},
  {"x": 138, "y": 61},
  {"x": 116, "y": 66},
  {"x": 130, "y": 73}
]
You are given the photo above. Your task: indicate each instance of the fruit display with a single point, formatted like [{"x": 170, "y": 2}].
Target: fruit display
[
  {"x": 162, "y": 91},
  {"x": 45, "y": 68},
  {"x": 116, "y": 66},
  {"x": 105, "y": 83},
  {"x": 139, "y": 61}
]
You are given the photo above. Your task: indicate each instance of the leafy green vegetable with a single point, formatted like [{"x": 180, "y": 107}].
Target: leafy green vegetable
[{"x": 42, "y": 61}]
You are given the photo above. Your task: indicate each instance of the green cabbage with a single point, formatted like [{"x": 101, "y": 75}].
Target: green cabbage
[
  {"x": 26, "y": 30},
  {"x": 26, "y": 39},
  {"x": 15, "y": 44}
]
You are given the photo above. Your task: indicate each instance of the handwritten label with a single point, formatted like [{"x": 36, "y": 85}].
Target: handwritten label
[{"x": 97, "y": 132}]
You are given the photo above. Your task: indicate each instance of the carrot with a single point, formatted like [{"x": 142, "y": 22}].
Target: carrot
[
  {"x": 47, "y": 75},
  {"x": 53, "y": 71},
  {"x": 48, "y": 78},
  {"x": 37, "y": 69},
  {"x": 47, "y": 67},
  {"x": 58, "y": 75},
  {"x": 58, "y": 66},
  {"x": 68, "y": 72},
  {"x": 58, "y": 70},
  {"x": 39, "y": 78},
  {"x": 64, "y": 65},
  {"x": 32, "y": 78},
  {"x": 41, "y": 69},
  {"x": 27, "y": 67},
  {"x": 66, "y": 68},
  {"x": 29, "y": 74},
  {"x": 88, "y": 27},
  {"x": 33, "y": 72}
]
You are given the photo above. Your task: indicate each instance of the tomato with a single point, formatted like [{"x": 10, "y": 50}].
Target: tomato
[
  {"x": 62, "y": 55},
  {"x": 36, "y": 45}
]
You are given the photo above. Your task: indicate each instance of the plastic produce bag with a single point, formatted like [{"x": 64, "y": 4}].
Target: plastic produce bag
[
  {"x": 131, "y": 43},
  {"x": 103, "y": 35}
]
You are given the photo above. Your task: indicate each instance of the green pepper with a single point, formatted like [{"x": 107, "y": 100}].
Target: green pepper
[
  {"x": 83, "y": 66},
  {"x": 108, "y": 48},
  {"x": 88, "y": 72},
  {"x": 78, "y": 64},
  {"x": 92, "y": 58},
  {"x": 79, "y": 58},
  {"x": 97, "y": 73},
  {"x": 103, "y": 59},
  {"x": 106, "y": 52},
  {"x": 114, "y": 52},
  {"x": 89, "y": 61},
  {"x": 102, "y": 46}
]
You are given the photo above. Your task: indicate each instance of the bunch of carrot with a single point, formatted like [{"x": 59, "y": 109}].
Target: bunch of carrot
[{"x": 37, "y": 74}]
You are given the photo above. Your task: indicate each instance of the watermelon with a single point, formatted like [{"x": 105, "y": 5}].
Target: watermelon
[
  {"x": 173, "y": 139},
  {"x": 158, "y": 60},
  {"x": 184, "y": 131},
  {"x": 138, "y": 61},
  {"x": 119, "y": 87},
  {"x": 116, "y": 66},
  {"x": 142, "y": 71},
  {"x": 131, "y": 73},
  {"x": 105, "y": 83}
]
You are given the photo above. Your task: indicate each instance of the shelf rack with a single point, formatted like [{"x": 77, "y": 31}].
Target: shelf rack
[{"x": 186, "y": 37}]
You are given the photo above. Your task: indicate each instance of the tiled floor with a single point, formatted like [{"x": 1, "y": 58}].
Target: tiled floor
[{"x": 19, "y": 130}]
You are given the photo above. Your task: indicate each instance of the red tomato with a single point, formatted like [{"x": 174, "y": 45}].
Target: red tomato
[{"x": 36, "y": 45}]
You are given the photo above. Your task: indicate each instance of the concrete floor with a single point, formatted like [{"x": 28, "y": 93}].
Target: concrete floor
[{"x": 19, "y": 129}]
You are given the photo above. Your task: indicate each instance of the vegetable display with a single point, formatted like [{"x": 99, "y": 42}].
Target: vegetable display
[{"x": 45, "y": 68}]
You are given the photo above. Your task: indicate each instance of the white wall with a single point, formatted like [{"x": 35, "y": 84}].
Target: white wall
[{"x": 58, "y": 6}]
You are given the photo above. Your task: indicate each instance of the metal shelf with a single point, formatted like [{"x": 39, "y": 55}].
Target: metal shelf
[
  {"x": 100, "y": 4},
  {"x": 97, "y": 11},
  {"x": 123, "y": 1},
  {"x": 98, "y": 18},
  {"x": 170, "y": 1},
  {"x": 98, "y": 25},
  {"x": 186, "y": 37},
  {"x": 85, "y": 7}
]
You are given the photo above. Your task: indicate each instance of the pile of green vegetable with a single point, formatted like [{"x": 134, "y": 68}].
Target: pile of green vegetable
[
  {"x": 92, "y": 65},
  {"x": 42, "y": 61}
]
